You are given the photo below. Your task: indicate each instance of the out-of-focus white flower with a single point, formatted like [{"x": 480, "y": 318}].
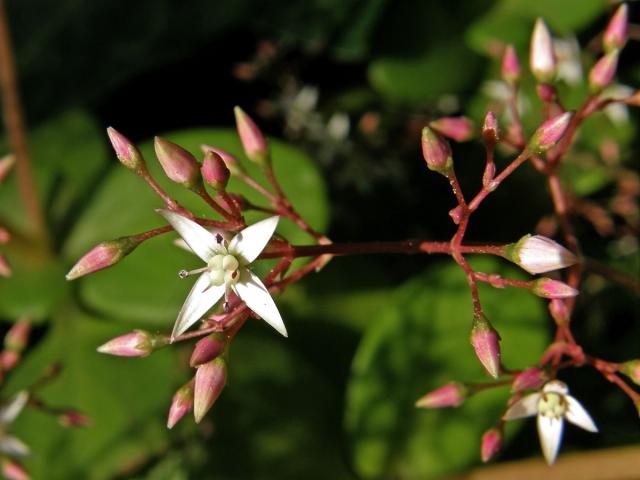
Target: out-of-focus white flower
[{"x": 10, "y": 445}]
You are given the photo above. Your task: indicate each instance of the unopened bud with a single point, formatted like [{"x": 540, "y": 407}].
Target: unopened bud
[
  {"x": 459, "y": 129},
  {"x": 181, "y": 403},
  {"x": 74, "y": 419},
  {"x": 615, "y": 36},
  {"x": 542, "y": 58},
  {"x": 549, "y": 288},
  {"x": 436, "y": 151},
  {"x": 126, "y": 151},
  {"x": 510, "y": 66},
  {"x": 603, "y": 71},
  {"x": 456, "y": 214},
  {"x": 5, "y": 268},
  {"x": 253, "y": 141},
  {"x": 208, "y": 348},
  {"x": 538, "y": 254},
  {"x": 178, "y": 164},
  {"x": 490, "y": 129},
  {"x": 138, "y": 343},
  {"x": 559, "y": 311},
  {"x": 486, "y": 343},
  {"x": 546, "y": 92},
  {"x": 9, "y": 359},
  {"x": 17, "y": 337},
  {"x": 103, "y": 255},
  {"x": 550, "y": 133},
  {"x": 214, "y": 171},
  {"x": 491, "y": 444},
  {"x": 232, "y": 163},
  {"x": 530, "y": 379},
  {"x": 210, "y": 379},
  {"x": 6, "y": 164},
  {"x": 632, "y": 370},
  {"x": 12, "y": 470},
  {"x": 450, "y": 395}
]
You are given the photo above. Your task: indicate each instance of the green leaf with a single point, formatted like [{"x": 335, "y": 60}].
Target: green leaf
[{"x": 419, "y": 344}]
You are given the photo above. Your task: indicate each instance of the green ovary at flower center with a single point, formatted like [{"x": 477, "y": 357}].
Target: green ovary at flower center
[
  {"x": 223, "y": 270},
  {"x": 552, "y": 405}
]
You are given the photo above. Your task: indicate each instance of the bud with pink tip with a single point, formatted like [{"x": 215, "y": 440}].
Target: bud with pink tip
[
  {"x": 542, "y": 58},
  {"x": 538, "y": 254},
  {"x": 436, "y": 151},
  {"x": 127, "y": 152},
  {"x": 6, "y": 164},
  {"x": 490, "y": 129},
  {"x": 12, "y": 470},
  {"x": 5, "y": 268},
  {"x": 210, "y": 379},
  {"x": 510, "y": 66},
  {"x": 103, "y": 255},
  {"x": 486, "y": 343},
  {"x": 491, "y": 444},
  {"x": 549, "y": 288},
  {"x": 450, "y": 395},
  {"x": 74, "y": 419},
  {"x": 214, "y": 171},
  {"x": 138, "y": 343},
  {"x": 181, "y": 403},
  {"x": 632, "y": 370},
  {"x": 253, "y": 141},
  {"x": 615, "y": 36},
  {"x": 178, "y": 164},
  {"x": 459, "y": 129},
  {"x": 208, "y": 348},
  {"x": 550, "y": 133},
  {"x": 17, "y": 337},
  {"x": 530, "y": 379},
  {"x": 232, "y": 163},
  {"x": 603, "y": 71}
]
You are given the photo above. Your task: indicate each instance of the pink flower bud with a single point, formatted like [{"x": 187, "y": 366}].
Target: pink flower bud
[
  {"x": 538, "y": 254},
  {"x": 456, "y": 214},
  {"x": 486, "y": 343},
  {"x": 208, "y": 348},
  {"x": 126, "y": 151},
  {"x": 138, "y": 343},
  {"x": 632, "y": 370},
  {"x": 510, "y": 66},
  {"x": 253, "y": 141},
  {"x": 491, "y": 444},
  {"x": 214, "y": 171},
  {"x": 450, "y": 395},
  {"x": 490, "y": 129},
  {"x": 546, "y": 92},
  {"x": 530, "y": 379},
  {"x": 542, "y": 58},
  {"x": 436, "y": 151},
  {"x": 459, "y": 129},
  {"x": 73, "y": 418},
  {"x": 210, "y": 379},
  {"x": 548, "y": 288},
  {"x": 5, "y": 268},
  {"x": 103, "y": 255},
  {"x": 182, "y": 402},
  {"x": 18, "y": 335},
  {"x": 230, "y": 161},
  {"x": 178, "y": 164},
  {"x": 615, "y": 36},
  {"x": 9, "y": 359},
  {"x": 603, "y": 71},
  {"x": 550, "y": 133},
  {"x": 559, "y": 311},
  {"x": 12, "y": 470},
  {"x": 5, "y": 236},
  {"x": 6, "y": 164}
]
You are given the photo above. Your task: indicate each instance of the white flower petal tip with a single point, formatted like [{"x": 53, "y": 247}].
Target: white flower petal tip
[
  {"x": 252, "y": 291},
  {"x": 550, "y": 433},
  {"x": 248, "y": 243},
  {"x": 579, "y": 416},
  {"x": 201, "y": 298}
]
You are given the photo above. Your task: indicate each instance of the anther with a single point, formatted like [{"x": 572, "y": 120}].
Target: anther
[
  {"x": 219, "y": 238},
  {"x": 185, "y": 274},
  {"x": 226, "y": 307}
]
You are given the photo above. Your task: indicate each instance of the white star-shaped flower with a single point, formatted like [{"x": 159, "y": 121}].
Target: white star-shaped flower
[
  {"x": 227, "y": 270},
  {"x": 552, "y": 406}
]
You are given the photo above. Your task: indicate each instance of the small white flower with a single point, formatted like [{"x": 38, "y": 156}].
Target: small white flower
[
  {"x": 10, "y": 445},
  {"x": 552, "y": 406},
  {"x": 226, "y": 270}
]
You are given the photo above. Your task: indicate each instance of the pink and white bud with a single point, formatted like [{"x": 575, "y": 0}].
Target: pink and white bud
[
  {"x": 232, "y": 163},
  {"x": 530, "y": 379},
  {"x": 12, "y": 470},
  {"x": 138, "y": 343},
  {"x": 603, "y": 71},
  {"x": 436, "y": 151},
  {"x": 486, "y": 343},
  {"x": 17, "y": 337},
  {"x": 550, "y": 132},
  {"x": 210, "y": 379},
  {"x": 74, "y": 419},
  {"x": 126, "y": 151},
  {"x": 6, "y": 164},
  {"x": 559, "y": 311},
  {"x": 178, "y": 164},
  {"x": 538, "y": 254},
  {"x": 615, "y": 36},
  {"x": 490, "y": 129},
  {"x": 510, "y": 66},
  {"x": 214, "y": 171},
  {"x": 103, "y": 255},
  {"x": 5, "y": 268},
  {"x": 452, "y": 394},
  {"x": 549, "y": 288},
  {"x": 208, "y": 348},
  {"x": 632, "y": 370},
  {"x": 542, "y": 57},
  {"x": 459, "y": 129},
  {"x": 491, "y": 444},
  {"x": 253, "y": 140},
  {"x": 181, "y": 403}
]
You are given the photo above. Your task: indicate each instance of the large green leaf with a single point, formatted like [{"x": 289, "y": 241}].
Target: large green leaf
[{"x": 419, "y": 344}]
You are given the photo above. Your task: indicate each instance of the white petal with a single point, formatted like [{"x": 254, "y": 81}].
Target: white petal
[
  {"x": 248, "y": 243},
  {"x": 525, "y": 407},
  {"x": 203, "y": 243},
  {"x": 10, "y": 410},
  {"x": 200, "y": 299},
  {"x": 577, "y": 415},
  {"x": 253, "y": 292},
  {"x": 550, "y": 433},
  {"x": 13, "y": 447}
]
